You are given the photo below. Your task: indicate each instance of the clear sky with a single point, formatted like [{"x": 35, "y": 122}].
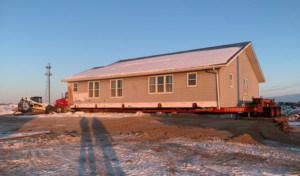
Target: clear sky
[{"x": 78, "y": 35}]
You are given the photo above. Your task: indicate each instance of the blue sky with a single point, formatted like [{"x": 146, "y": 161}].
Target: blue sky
[{"x": 77, "y": 35}]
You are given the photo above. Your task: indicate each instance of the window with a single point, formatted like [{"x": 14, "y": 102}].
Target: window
[
  {"x": 91, "y": 87},
  {"x": 75, "y": 87},
  {"x": 161, "y": 84},
  {"x": 94, "y": 88},
  {"x": 245, "y": 86},
  {"x": 192, "y": 79},
  {"x": 120, "y": 88},
  {"x": 152, "y": 84},
  {"x": 113, "y": 88},
  {"x": 169, "y": 84},
  {"x": 230, "y": 80},
  {"x": 116, "y": 88}
]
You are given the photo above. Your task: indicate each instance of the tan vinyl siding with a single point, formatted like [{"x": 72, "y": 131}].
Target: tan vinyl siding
[
  {"x": 247, "y": 72},
  {"x": 231, "y": 96},
  {"x": 228, "y": 95},
  {"x": 136, "y": 90}
]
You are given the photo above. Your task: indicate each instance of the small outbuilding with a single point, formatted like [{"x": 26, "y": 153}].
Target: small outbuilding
[{"x": 220, "y": 76}]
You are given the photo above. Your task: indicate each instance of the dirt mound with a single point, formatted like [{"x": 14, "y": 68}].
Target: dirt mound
[
  {"x": 244, "y": 138},
  {"x": 282, "y": 123}
]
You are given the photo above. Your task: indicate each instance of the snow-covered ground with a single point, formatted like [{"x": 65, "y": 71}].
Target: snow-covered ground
[
  {"x": 93, "y": 150},
  {"x": 295, "y": 124},
  {"x": 78, "y": 114},
  {"x": 22, "y": 134},
  {"x": 290, "y": 108},
  {"x": 7, "y": 109},
  {"x": 179, "y": 156}
]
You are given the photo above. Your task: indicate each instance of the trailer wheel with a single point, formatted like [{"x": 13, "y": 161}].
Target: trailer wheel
[{"x": 58, "y": 109}]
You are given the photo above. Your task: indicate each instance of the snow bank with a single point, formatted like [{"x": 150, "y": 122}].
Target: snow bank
[
  {"x": 80, "y": 114},
  {"x": 22, "y": 134},
  {"x": 295, "y": 124},
  {"x": 7, "y": 109},
  {"x": 288, "y": 110}
]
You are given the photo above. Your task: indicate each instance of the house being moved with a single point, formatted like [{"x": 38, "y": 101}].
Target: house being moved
[{"x": 220, "y": 76}]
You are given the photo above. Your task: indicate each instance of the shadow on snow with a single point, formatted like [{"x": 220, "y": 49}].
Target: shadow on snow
[
  {"x": 103, "y": 140},
  {"x": 11, "y": 124}
]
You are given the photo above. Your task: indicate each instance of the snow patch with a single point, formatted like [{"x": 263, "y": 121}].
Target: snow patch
[
  {"x": 180, "y": 156},
  {"x": 7, "y": 109},
  {"x": 296, "y": 124},
  {"x": 80, "y": 114},
  {"x": 289, "y": 108},
  {"x": 22, "y": 134},
  {"x": 186, "y": 157}
]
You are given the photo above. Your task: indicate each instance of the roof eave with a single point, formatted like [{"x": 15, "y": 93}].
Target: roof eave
[
  {"x": 260, "y": 75},
  {"x": 255, "y": 64}
]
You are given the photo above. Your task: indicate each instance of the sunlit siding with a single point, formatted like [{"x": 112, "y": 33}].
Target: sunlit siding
[
  {"x": 231, "y": 96},
  {"x": 136, "y": 90}
]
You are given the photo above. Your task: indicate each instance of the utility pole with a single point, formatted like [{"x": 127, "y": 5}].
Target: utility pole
[{"x": 48, "y": 74}]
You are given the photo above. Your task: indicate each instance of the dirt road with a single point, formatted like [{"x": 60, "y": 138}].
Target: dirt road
[{"x": 160, "y": 126}]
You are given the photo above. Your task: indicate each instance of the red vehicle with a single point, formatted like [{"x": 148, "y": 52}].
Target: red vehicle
[{"x": 61, "y": 105}]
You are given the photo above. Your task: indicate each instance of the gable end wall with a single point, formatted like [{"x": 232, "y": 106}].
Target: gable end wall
[{"x": 234, "y": 96}]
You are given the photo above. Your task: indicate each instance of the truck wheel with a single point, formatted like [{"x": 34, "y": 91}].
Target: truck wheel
[
  {"x": 49, "y": 109},
  {"x": 58, "y": 109}
]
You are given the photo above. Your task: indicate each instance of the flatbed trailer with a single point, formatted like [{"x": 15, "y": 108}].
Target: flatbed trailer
[{"x": 258, "y": 108}]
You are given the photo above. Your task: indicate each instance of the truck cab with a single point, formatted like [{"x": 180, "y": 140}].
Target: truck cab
[{"x": 61, "y": 105}]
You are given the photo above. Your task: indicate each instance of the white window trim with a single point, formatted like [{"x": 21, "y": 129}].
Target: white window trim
[
  {"x": 165, "y": 84},
  {"x": 74, "y": 87},
  {"x": 246, "y": 91},
  {"x": 187, "y": 80},
  {"x": 231, "y": 81},
  {"x": 93, "y": 90},
  {"x": 116, "y": 88}
]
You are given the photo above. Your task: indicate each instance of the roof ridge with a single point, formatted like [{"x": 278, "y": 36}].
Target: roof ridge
[{"x": 185, "y": 51}]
